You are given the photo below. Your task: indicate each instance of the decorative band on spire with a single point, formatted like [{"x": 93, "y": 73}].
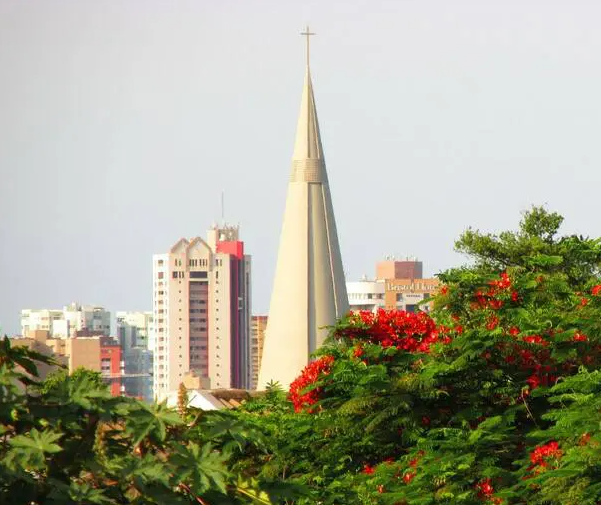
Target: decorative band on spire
[{"x": 309, "y": 170}]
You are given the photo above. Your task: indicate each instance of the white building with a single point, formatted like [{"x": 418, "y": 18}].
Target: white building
[
  {"x": 366, "y": 295},
  {"x": 201, "y": 312},
  {"x": 39, "y": 319},
  {"x": 66, "y": 322},
  {"x": 136, "y": 338}
]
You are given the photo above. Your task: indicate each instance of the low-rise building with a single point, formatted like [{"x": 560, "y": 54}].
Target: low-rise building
[
  {"x": 365, "y": 295},
  {"x": 97, "y": 353}
]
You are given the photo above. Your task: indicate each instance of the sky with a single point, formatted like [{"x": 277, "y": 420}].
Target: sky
[{"x": 121, "y": 123}]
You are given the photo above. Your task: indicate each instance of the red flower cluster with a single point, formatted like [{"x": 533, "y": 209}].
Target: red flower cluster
[
  {"x": 309, "y": 376},
  {"x": 488, "y": 298},
  {"x": 413, "y": 463},
  {"x": 493, "y": 322},
  {"x": 486, "y": 490},
  {"x": 407, "y": 331},
  {"x": 503, "y": 283},
  {"x": 596, "y": 290},
  {"x": 542, "y": 454},
  {"x": 368, "y": 469},
  {"x": 409, "y": 476},
  {"x": 536, "y": 339}
]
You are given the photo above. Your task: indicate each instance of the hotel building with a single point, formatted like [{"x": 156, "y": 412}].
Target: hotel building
[{"x": 398, "y": 285}]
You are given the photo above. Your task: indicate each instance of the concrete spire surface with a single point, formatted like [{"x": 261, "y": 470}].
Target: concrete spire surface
[{"x": 309, "y": 290}]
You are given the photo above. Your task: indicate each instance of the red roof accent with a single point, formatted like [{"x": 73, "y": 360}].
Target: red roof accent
[{"x": 233, "y": 247}]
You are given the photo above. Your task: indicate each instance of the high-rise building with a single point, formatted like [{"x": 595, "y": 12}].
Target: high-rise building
[
  {"x": 201, "y": 312},
  {"x": 67, "y": 322},
  {"x": 257, "y": 339},
  {"x": 309, "y": 291},
  {"x": 134, "y": 331}
]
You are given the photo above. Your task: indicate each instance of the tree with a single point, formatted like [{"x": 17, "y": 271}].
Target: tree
[
  {"x": 68, "y": 441},
  {"x": 493, "y": 399}
]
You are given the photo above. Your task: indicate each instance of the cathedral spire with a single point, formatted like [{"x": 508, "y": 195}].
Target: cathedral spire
[
  {"x": 309, "y": 290},
  {"x": 308, "y": 141}
]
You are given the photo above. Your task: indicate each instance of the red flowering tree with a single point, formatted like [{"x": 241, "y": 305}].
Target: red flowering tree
[{"x": 496, "y": 398}]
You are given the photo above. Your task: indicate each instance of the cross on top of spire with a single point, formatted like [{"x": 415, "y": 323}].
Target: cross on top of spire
[{"x": 307, "y": 33}]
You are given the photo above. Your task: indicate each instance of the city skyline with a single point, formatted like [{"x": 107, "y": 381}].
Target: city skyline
[{"x": 113, "y": 115}]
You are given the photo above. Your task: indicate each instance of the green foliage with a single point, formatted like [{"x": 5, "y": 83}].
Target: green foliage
[
  {"x": 506, "y": 410},
  {"x": 68, "y": 441},
  {"x": 496, "y": 400}
]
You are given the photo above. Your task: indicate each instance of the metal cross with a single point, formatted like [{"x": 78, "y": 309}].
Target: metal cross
[{"x": 307, "y": 33}]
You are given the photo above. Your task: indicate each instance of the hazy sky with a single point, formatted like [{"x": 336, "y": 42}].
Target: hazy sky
[{"x": 121, "y": 122}]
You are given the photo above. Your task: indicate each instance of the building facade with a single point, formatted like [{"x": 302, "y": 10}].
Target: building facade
[
  {"x": 111, "y": 364},
  {"x": 407, "y": 294},
  {"x": 67, "y": 322},
  {"x": 97, "y": 353},
  {"x": 395, "y": 287},
  {"x": 201, "y": 312},
  {"x": 366, "y": 295},
  {"x": 136, "y": 338},
  {"x": 257, "y": 338},
  {"x": 395, "y": 269}
]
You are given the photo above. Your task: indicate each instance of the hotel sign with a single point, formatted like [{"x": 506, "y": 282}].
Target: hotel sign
[{"x": 414, "y": 286}]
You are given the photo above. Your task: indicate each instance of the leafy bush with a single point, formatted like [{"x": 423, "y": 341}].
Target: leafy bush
[{"x": 494, "y": 399}]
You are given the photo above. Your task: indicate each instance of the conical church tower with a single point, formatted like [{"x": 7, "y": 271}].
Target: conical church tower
[{"x": 309, "y": 290}]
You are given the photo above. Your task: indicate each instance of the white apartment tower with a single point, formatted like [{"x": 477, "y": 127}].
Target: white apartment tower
[
  {"x": 67, "y": 322},
  {"x": 201, "y": 312}
]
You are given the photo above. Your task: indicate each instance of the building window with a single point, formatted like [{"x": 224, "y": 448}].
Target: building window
[
  {"x": 160, "y": 275},
  {"x": 175, "y": 274}
]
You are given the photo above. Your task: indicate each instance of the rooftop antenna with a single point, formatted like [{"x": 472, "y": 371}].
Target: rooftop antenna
[{"x": 222, "y": 207}]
